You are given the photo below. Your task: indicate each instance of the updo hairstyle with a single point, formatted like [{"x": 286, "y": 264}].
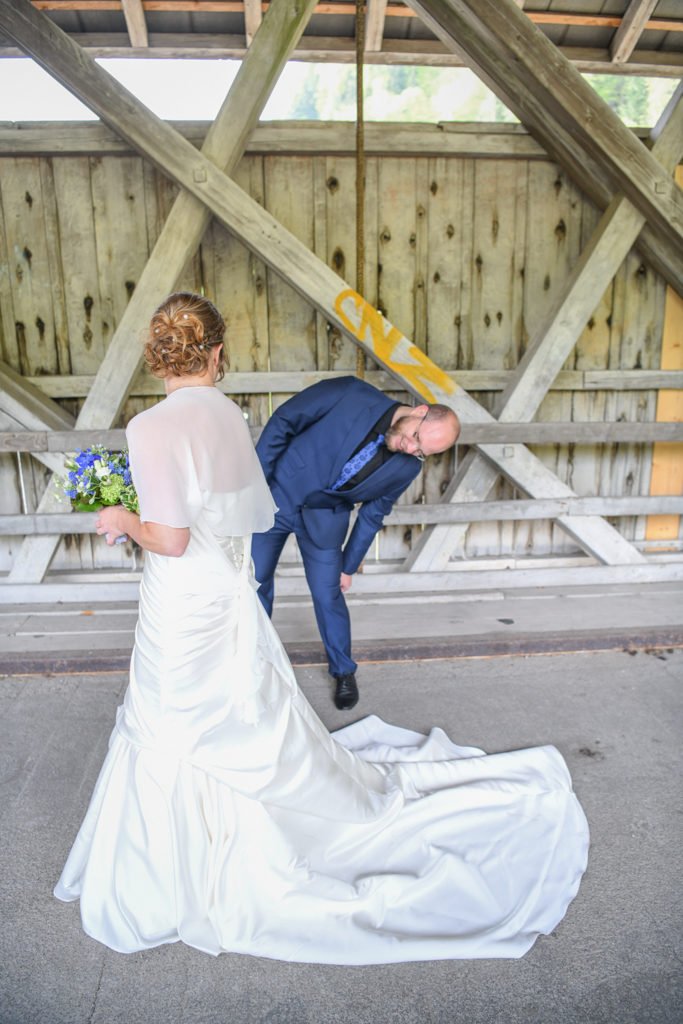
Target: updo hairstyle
[{"x": 181, "y": 335}]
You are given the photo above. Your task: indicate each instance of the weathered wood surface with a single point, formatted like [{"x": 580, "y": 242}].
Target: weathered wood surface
[
  {"x": 451, "y": 260},
  {"x": 449, "y": 138},
  {"x": 632, "y": 27},
  {"x": 292, "y": 261},
  {"x": 448, "y": 343},
  {"x": 535, "y": 81},
  {"x": 134, "y": 13},
  {"x": 341, "y": 50},
  {"x": 484, "y": 511},
  {"x": 127, "y": 589},
  {"x": 374, "y": 28},
  {"x": 588, "y": 433},
  {"x": 266, "y": 382},
  {"x": 667, "y": 465},
  {"x": 558, "y": 332},
  {"x": 179, "y": 236}
]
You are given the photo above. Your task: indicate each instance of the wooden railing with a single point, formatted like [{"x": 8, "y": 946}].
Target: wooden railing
[
  {"x": 591, "y": 433},
  {"x": 27, "y": 524}
]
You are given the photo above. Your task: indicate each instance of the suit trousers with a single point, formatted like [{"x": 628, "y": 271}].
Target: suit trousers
[{"x": 323, "y": 567}]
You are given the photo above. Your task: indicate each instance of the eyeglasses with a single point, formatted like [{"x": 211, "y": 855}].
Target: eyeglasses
[{"x": 418, "y": 453}]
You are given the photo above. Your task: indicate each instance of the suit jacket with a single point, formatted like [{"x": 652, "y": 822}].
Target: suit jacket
[{"x": 303, "y": 448}]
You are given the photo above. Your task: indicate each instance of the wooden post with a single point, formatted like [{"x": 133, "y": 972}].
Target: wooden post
[{"x": 667, "y": 460}]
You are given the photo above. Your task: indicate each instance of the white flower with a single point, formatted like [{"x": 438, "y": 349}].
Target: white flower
[{"x": 101, "y": 469}]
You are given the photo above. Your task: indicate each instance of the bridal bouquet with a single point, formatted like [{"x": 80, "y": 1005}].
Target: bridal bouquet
[{"x": 97, "y": 477}]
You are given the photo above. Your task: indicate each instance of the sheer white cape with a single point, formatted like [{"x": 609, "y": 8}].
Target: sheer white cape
[{"x": 226, "y": 816}]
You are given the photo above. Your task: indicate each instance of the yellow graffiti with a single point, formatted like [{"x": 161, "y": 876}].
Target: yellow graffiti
[{"x": 390, "y": 346}]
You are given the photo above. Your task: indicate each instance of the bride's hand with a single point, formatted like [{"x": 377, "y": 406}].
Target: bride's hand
[{"x": 107, "y": 523}]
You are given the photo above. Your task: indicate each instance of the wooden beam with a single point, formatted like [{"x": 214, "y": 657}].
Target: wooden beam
[
  {"x": 32, "y": 525},
  {"x": 504, "y": 141},
  {"x": 184, "y": 227},
  {"x": 28, "y": 405},
  {"x": 393, "y": 11},
  {"x": 557, "y": 334},
  {"x": 585, "y": 433},
  {"x": 262, "y": 382},
  {"x": 374, "y": 27},
  {"x": 667, "y": 464},
  {"x": 134, "y": 14},
  {"x": 22, "y": 403},
  {"x": 308, "y": 275},
  {"x": 252, "y": 19},
  {"x": 588, "y": 433},
  {"x": 630, "y": 30},
  {"x": 341, "y": 50},
  {"x": 526, "y": 71},
  {"x": 91, "y": 588}
]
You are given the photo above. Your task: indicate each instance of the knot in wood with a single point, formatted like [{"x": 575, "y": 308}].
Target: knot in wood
[{"x": 560, "y": 230}]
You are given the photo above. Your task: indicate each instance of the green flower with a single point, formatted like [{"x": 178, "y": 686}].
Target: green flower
[{"x": 110, "y": 493}]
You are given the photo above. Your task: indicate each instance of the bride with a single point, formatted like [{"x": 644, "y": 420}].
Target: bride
[{"x": 225, "y": 815}]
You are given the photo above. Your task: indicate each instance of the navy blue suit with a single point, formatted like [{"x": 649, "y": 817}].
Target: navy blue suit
[{"x": 302, "y": 449}]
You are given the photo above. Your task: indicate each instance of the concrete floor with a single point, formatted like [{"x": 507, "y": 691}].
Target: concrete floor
[
  {"x": 70, "y": 637},
  {"x": 616, "y": 957}
]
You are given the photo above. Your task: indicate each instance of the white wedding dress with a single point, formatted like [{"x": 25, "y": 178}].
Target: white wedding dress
[{"x": 226, "y": 816}]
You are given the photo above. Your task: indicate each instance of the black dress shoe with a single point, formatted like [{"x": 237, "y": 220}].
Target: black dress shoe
[{"x": 346, "y": 693}]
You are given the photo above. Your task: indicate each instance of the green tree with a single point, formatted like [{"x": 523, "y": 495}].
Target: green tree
[{"x": 627, "y": 95}]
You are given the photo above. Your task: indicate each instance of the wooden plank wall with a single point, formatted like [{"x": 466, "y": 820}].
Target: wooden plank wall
[{"x": 463, "y": 255}]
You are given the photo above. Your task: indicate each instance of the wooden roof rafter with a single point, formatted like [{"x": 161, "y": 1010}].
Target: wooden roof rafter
[
  {"x": 608, "y": 43},
  {"x": 632, "y": 26},
  {"x": 374, "y": 25},
  {"x": 134, "y": 13}
]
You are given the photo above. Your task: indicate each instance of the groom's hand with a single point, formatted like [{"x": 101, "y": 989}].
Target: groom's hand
[{"x": 345, "y": 582}]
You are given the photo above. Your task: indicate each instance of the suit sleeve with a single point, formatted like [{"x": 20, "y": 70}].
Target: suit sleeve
[
  {"x": 294, "y": 416},
  {"x": 369, "y": 521}
]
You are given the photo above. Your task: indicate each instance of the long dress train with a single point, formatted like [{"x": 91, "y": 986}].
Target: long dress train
[{"x": 226, "y": 816}]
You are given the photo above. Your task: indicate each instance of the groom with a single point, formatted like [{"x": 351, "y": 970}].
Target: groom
[{"x": 338, "y": 444}]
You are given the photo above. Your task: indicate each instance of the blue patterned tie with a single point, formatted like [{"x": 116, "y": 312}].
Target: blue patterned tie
[{"x": 357, "y": 461}]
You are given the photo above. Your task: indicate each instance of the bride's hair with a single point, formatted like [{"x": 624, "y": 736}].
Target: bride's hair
[{"x": 182, "y": 332}]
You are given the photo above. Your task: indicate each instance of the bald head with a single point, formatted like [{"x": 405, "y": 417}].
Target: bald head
[
  {"x": 423, "y": 431},
  {"x": 440, "y": 429}
]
